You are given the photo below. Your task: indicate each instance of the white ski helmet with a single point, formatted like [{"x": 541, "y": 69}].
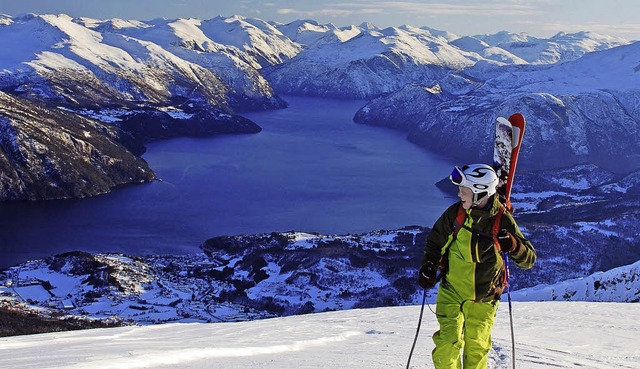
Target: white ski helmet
[{"x": 480, "y": 178}]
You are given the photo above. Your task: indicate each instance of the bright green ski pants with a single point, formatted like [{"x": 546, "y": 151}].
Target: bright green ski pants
[{"x": 465, "y": 326}]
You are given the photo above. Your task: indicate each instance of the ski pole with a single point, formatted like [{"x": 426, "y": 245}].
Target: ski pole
[
  {"x": 513, "y": 338},
  {"x": 424, "y": 299}
]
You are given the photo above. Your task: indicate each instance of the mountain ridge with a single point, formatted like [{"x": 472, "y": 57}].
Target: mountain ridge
[{"x": 580, "y": 117}]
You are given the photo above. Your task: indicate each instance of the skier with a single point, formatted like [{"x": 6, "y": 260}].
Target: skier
[{"x": 463, "y": 245}]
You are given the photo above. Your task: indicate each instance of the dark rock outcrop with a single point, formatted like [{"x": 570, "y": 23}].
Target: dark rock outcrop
[
  {"x": 47, "y": 153},
  {"x": 153, "y": 124}
]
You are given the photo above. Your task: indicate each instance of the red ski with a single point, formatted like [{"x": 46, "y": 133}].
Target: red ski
[{"x": 509, "y": 134}]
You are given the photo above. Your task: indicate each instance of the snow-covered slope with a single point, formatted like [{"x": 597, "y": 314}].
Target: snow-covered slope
[
  {"x": 306, "y": 32},
  {"x": 487, "y": 51},
  {"x": 98, "y": 68},
  {"x": 548, "y": 335},
  {"x": 616, "y": 285},
  {"x": 234, "y": 48}
]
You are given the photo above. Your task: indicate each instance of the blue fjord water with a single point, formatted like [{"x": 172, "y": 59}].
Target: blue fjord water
[{"x": 311, "y": 169}]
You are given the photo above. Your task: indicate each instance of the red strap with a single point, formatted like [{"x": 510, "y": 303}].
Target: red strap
[
  {"x": 458, "y": 222},
  {"x": 461, "y": 216},
  {"x": 508, "y": 206},
  {"x": 495, "y": 229}
]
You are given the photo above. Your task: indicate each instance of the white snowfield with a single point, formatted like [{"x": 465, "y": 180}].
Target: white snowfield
[{"x": 548, "y": 335}]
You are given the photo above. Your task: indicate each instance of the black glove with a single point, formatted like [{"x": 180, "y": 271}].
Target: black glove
[
  {"x": 427, "y": 275},
  {"x": 507, "y": 242}
]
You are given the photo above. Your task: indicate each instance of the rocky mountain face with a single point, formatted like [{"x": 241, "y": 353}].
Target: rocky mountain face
[
  {"x": 49, "y": 153},
  {"x": 153, "y": 124}
]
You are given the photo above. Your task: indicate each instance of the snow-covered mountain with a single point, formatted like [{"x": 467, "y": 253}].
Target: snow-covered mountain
[
  {"x": 575, "y": 115},
  {"x": 205, "y": 70},
  {"x": 116, "y": 63},
  {"x": 487, "y": 51},
  {"x": 220, "y": 61},
  {"x": 361, "y": 63},
  {"x": 559, "y": 48},
  {"x": 367, "y": 61}
]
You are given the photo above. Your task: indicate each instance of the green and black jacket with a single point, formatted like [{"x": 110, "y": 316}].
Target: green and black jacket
[{"x": 472, "y": 263}]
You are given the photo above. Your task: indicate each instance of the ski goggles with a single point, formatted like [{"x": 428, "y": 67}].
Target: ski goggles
[{"x": 458, "y": 178}]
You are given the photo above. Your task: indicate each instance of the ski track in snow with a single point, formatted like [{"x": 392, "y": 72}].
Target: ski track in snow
[{"x": 548, "y": 335}]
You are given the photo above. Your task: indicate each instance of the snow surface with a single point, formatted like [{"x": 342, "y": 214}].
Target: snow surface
[
  {"x": 548, "y": 335},
  {"x": 616, "y": 285}
]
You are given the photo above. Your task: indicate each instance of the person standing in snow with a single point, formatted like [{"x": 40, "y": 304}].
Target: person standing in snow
[{"x": 472, "y": 268}]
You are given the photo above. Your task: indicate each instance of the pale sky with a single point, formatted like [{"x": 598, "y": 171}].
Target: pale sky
[{"x": 540, "y": 18}]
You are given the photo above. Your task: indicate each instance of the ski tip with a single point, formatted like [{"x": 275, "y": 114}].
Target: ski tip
[
  {"x": 503, "y": 120},
  {"x": 517, "y": 120}
]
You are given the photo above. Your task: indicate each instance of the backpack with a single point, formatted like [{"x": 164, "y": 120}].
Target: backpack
[{"x": 458, "y": 222}]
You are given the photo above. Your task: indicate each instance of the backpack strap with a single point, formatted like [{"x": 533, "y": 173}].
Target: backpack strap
[
  {"x": 461, "y": 216},
  {"x": 458, "y": 222},
  {"x": 495, "y": 228}
]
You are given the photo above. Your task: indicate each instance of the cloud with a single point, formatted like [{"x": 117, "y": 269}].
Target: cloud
[
  {"x": 330, "y": 12},
  {"x": 464, "y": 17},
  {"x": 625, "y": 30},
  {"x": 338, "y": 10},
  {"x": 432, "y": 9}
]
